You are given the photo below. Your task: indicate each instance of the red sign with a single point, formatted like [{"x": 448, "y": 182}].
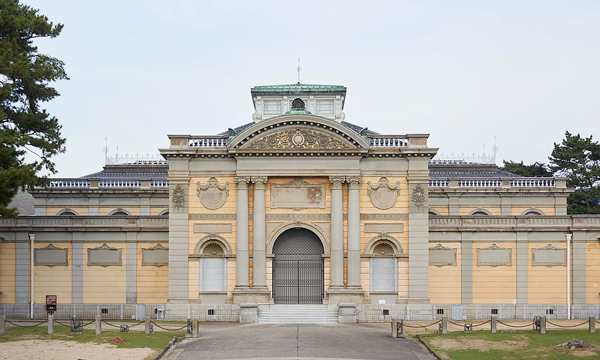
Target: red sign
[{"x": 51, "y": 303}]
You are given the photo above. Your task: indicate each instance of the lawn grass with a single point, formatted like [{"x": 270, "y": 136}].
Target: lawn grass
[
  {"x": 133, "y": 339},
  {"x": 537, "y": 346}
]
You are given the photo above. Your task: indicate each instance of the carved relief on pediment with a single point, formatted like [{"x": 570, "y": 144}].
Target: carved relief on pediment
[
  {"x": 298, "y": 139},
  {"x": 213, "y": 195},
  {"x": 384, "y": 194}
]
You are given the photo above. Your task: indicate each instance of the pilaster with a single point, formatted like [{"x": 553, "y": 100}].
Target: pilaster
[
  {"x": 578, "y": 266},
  {"x": 467, "y": 272},
  {"x": 241, "y": 236},
  {"x": 418, "y": 234},
  {"x": 178, "y": 233},
  {"x": 337, "y": 232},
  {"x": 353, "y": 231},
  {"x": 522, "y": 265}
]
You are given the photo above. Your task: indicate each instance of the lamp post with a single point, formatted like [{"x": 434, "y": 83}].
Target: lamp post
[{"x": 32, "y": 240}]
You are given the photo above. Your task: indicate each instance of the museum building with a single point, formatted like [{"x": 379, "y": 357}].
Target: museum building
[{"x": 301, "y": 207}]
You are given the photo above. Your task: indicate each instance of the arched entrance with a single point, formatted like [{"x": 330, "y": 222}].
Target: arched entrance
[{"x": 298, "y": 268}]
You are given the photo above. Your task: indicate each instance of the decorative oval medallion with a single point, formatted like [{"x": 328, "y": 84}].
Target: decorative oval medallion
[
  {"x": 213, "y": 195},
  {"x": 383, "y": 194},
  {"x": 298, "y": 138}
]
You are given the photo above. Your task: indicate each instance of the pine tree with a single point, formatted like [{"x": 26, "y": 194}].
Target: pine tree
[{"x": 25, "y": 75}]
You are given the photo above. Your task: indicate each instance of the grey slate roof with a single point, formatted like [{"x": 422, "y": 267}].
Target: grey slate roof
[
  {"x": 355, "y": 128},
  {"x": 468, "y": 170},
  {"x": 137, "y": 171}
]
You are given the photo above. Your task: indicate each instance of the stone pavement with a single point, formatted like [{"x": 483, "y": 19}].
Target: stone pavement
[{"x": 278, "y": 341}]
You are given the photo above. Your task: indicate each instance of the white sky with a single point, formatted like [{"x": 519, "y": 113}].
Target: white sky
[{"x": 463, "y": 71}]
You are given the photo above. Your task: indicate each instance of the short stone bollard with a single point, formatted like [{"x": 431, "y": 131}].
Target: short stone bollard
[
  {"x": 592, "y": 324},
  {"x": 394, "y": 328},
  {"x": 542, "y": 325},
  {"x": 147, "y": 329},
  {"x": 2, "y": 324},
  {"x": 195, "y": 329},
  {"x": 50, "y": 324},
  {"x": 444, "y": 325},
  {"x": 494, "y": 318},
  {"x": 98, "y": 324}
]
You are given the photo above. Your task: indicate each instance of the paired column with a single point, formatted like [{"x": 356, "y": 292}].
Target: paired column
[
  {"x": 259, "y": 240},
  {"x": 353, "y": 231},
  {"x": 242, "y": 259},
  {"x": 337, "y": 232}
]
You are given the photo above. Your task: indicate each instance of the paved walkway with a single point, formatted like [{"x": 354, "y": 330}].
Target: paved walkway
[{"x": 273, "y": 341}]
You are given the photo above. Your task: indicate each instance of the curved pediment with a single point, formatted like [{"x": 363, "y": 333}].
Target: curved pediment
[{"x": 298, "y": 133}]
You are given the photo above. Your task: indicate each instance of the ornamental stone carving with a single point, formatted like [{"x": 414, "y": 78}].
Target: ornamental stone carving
[
  {"x": 383, "y": 194},
  {"x": 337, "y": 182},
  {"x": 298, "y": 139},
  {"x": 297, "y": 195},
  {"x": 442, "y": 256},
  {"x": 549, "y": 256},
  {"x": 213, "y": 195},
  {"x": 418, "y": 196},
  {"x": 178, "y": 197},
  {"x": 494, "y": 256},
  {"x": 354, "y": 182},
  {"x": 51, "y": 256},
  {"x": 242, "y": 182}
]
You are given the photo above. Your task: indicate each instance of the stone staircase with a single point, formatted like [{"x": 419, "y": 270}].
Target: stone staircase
[{"x": 297, "y": 314}]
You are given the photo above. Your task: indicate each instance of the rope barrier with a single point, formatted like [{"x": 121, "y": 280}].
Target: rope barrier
[
  {"x": 566, "y": 326},
  {"x": 457, "y": 324},
  {"x": 515, "y": 326},
  {"x": 17, "y": 325},
  {"x": 141, "y": 322},
  {"x": 59, "y": 323},
  {"x": 422, "y": 326},
  {"x": 166, "y": 329},
  {"x": 109, "y": 324},
  {"x": 483, "y": 323}
]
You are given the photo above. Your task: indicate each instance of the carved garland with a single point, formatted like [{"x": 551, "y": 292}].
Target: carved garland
[
  {"x": 298, "y": 139},
  {"x": 178, "y": 197},
  {"x": 213, "y": 195},
  {"x": 418, "y": 196},
  {"x": 383, "y": 194}
]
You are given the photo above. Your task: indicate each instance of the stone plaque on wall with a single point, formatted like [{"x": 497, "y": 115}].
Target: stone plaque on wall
[
  {"x": 549, "y": 256},
  {"x": 297, "y": 195},
  {"x": 104, "y": 256},
  {"x": 155, "y": 256},
  {"x": 51, "y": 256},
  {"x": 384, "y": 228},
  {"x": 494, "y": 256},
  {"x": 442, "y": 256}
]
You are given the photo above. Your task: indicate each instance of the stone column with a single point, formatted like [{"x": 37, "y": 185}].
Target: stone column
[
  {"x": 337, "y": 232},
  {"x": 353, "y": 231},
  {"x": 259, "y": 224},
  {"x": 178, "y": 236},
  {"x": 418, "y": 234},
  {"x": 241, "y": 234}
]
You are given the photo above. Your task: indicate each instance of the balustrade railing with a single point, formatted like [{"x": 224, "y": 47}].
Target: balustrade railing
[
  {"x": 388, "y": 141},
  {"x": 439, "y": 183},
  {"x": 159, "y": 183},
  {"x": 533, "y": 182},
  {"x": 69, "y": 183},
  {"x": 208, "y": 142},
  {"x": 494, "y": 183},
  {"x": 479, "y": 183},
  {"x": 86, "y": 221},
  {"x": 119, "y": 183},
  {"x": 570, "y": 221}
]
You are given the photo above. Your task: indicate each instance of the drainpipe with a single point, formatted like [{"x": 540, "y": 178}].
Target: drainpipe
[
  {"x": 32, "y": 240},
  {"x": 569, "y": 238}
]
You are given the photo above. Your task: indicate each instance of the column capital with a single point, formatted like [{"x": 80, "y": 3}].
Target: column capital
[
  {"x": 337, "y": 181},
  {"x": 242, "y": 181},
  {"x": 354, "y": 182},
  {"x": 259, "y": 182}
]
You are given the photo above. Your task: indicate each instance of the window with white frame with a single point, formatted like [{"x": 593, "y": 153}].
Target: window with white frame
[
  {"x": 213, "y": 269},
  {"x": 324, "y": 106},
  {"x": 384, "y": 274},
  {"x": 272, "y": 107}
]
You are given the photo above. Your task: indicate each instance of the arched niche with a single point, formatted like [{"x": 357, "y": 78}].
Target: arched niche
[{"x": 298, "y": 224}]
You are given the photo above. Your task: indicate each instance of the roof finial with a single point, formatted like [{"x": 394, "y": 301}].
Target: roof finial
[{"x": 299, "y": 70}]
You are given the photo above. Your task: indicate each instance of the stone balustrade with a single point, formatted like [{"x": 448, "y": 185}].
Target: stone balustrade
[
  {"x": 389, "y": 141},
  {"x": 505, "y": 183},
  {"x": 207, "y": 142},
  {"x": 572, "y": 221},
  {"x": 106, "y": 183},
  {"x": 156, "y": 222}
]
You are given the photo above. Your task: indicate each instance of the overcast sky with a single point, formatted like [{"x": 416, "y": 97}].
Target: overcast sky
[{"x": 462, "y": 71}]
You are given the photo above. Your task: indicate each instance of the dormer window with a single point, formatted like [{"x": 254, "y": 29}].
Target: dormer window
[
  {"x": 272, "y": 107},
  {"x": 325, "y": 107},
  {"x": 298, "y": 104}
]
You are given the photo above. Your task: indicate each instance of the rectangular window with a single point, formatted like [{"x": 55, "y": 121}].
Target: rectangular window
[
  {"x": 213, "y": 274},
  {"x": 440, "y": 311},
  {"x": 272, "y": 107},
  {"x": 324, "y": 106},
  {"x": 494, "y": 311},
  {"x": 384, "y": 274}
]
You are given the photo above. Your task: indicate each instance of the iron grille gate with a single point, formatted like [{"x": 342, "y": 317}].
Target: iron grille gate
[{"x": 298, "y": 281}]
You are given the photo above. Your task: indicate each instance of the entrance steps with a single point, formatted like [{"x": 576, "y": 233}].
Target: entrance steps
[{"x": 297, "y": 314}]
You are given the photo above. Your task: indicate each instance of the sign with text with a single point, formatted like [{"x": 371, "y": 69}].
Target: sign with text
[{"x": 51, "y": 303}]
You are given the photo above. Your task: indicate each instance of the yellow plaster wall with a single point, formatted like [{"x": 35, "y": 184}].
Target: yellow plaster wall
[
  {"x": 445, "y": 282},
  {"x": 152, "y": 281},
  {"x": 154, "y": 210},
  {"x": 194, "y": 278},
  {"x": 521, "y": 210},
  {"x": 231, "y": 276},
  {"x": 79, "y": 210},
  {"x": 545, "y": 285},
  {"x": 592, "y": 273},
  {"x": 105, "y": 285},
  {"x": 54, "y": 280},
  {"x": 441, "y": 210},
  {"x": 403, "y": 278},
  {"x": 494, "y": 285},
  {"x": 134, "y": 211},
  {"x": 466, "y": 210},
  {"x": 8, "y": 273}
]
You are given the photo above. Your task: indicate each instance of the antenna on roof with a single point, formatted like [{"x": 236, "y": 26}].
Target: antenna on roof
[
  {"x": 495, "y": 149},
  {"x": 105, "y": 150},
  {"x": 299, "y": 69}
]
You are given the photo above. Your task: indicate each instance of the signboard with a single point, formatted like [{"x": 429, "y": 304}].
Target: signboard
[{"x": 51, "y": 303}]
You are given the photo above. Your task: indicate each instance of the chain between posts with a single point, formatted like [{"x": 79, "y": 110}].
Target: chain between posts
[
  {"x": 17, "y": 325},
  {"x": 566, "y": 326},
  {"x": 166, "y": 329},
  {"x": 422, "y": 326},
  {"x": 515, "y": 326}
]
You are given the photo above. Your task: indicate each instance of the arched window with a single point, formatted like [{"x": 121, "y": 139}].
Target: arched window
[
  {"x": 433, "y": 212},
  {"x": 480, "y": 212},
  {"x": 213, "y": 267},
  {"x": 119, "y": 212},
  {"x": 67, "y": 212},
  {"x": 164, "y": 213},
  {"x": 383, "y": 267},
  {"x": 532, "y": 212}
]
